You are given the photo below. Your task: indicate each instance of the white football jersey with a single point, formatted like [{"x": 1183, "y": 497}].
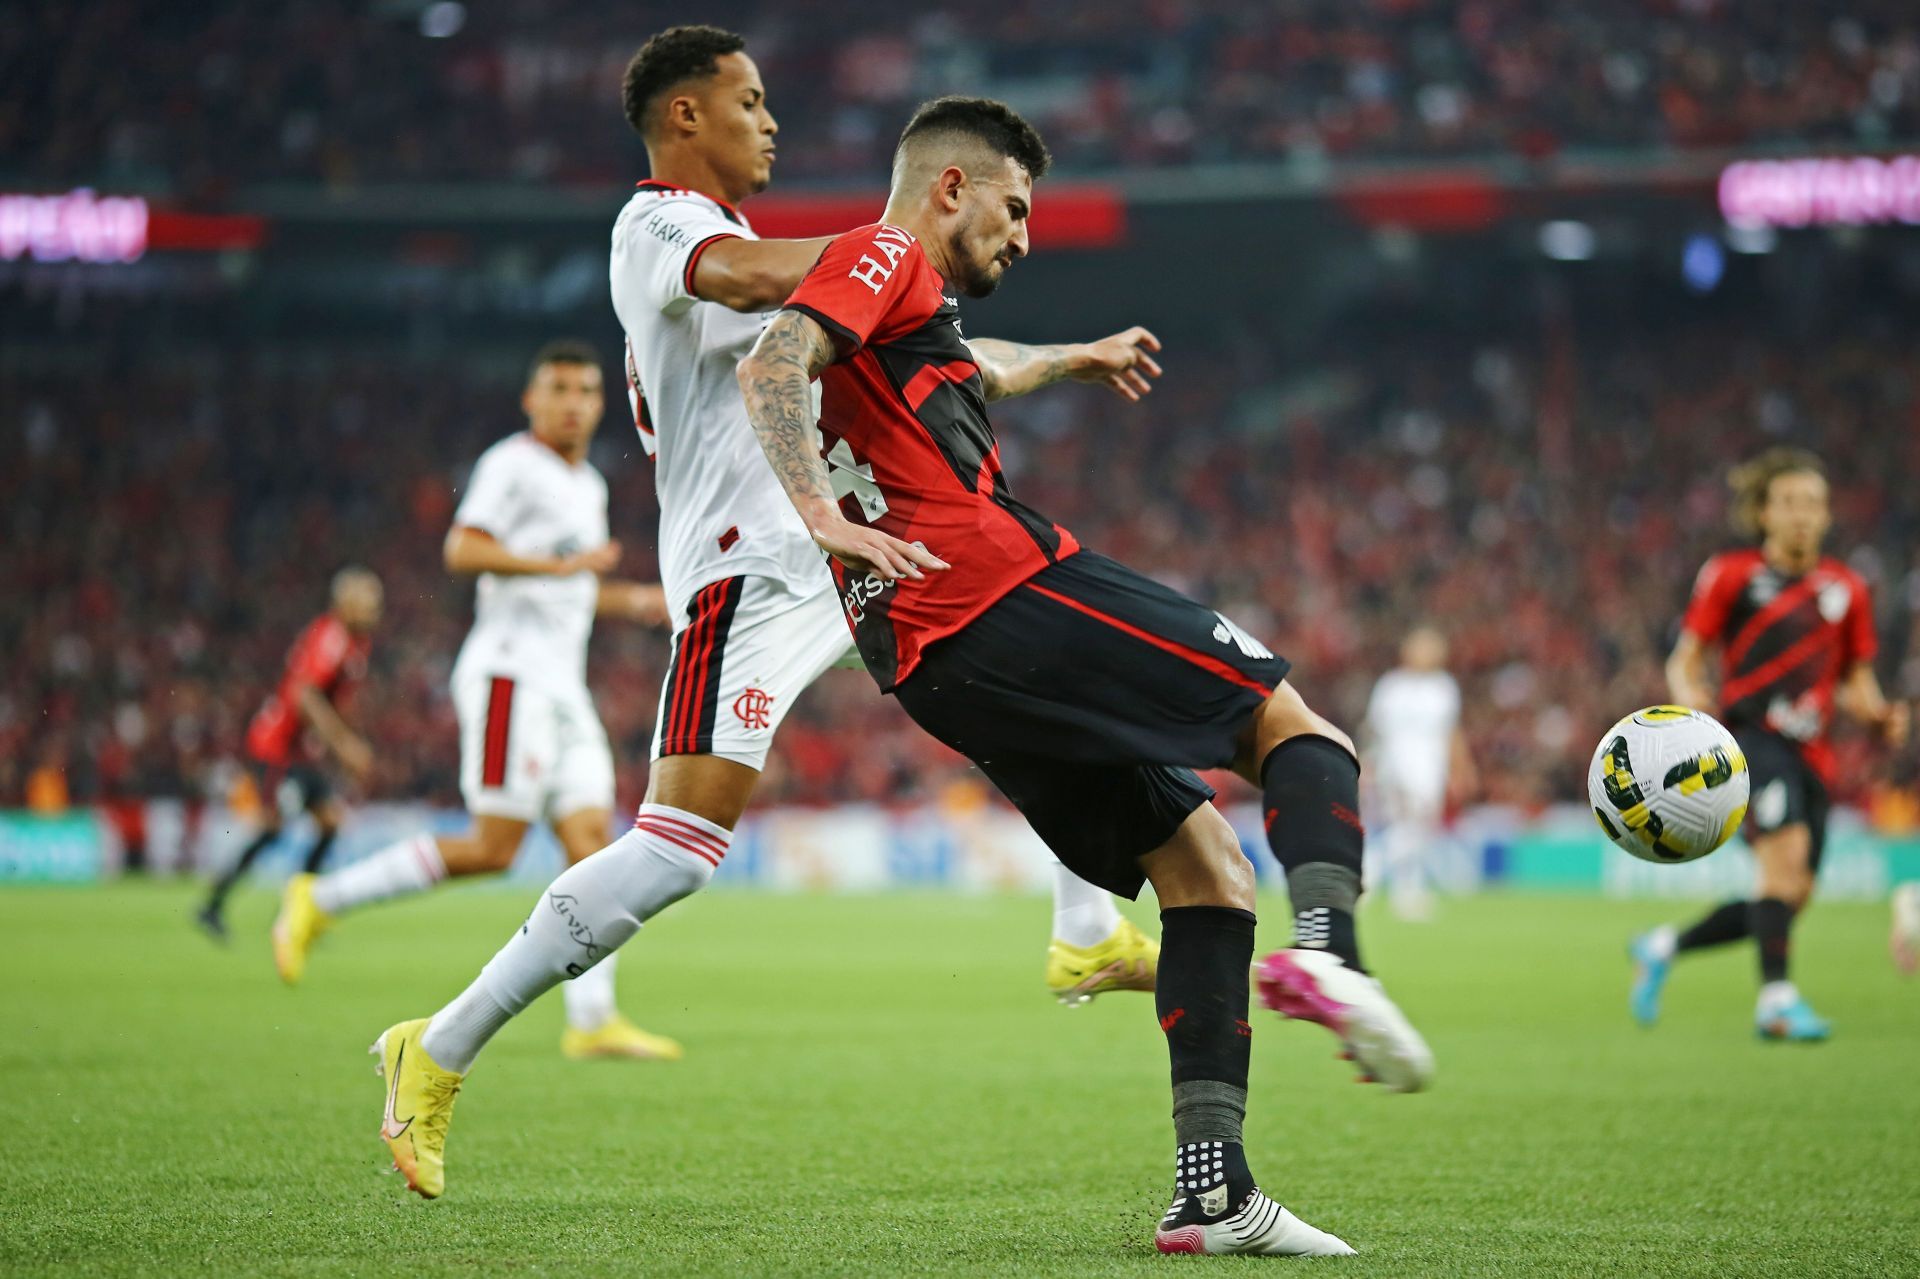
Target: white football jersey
[
  {"x": 534, "y": 502},
  {"x": 1411, "y": 717},
  {"x": 722, "y": 510}
]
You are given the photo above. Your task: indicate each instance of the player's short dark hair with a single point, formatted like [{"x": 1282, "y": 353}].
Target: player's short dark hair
[
  {"x": 563, "y": 351},
  {"x": 996, "y": 124},
  {"x": 1751, "y": 480},
  {"x": 674, "y": 56}
]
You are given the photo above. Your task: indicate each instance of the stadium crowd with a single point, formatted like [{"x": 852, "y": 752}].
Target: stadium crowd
[
  {"x": 346, "y": 93},
  {"x": 169, "y": 531}
]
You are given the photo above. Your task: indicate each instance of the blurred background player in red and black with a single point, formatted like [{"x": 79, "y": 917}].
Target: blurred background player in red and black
[
  {"x": 300, "y": 730},
  {"x": 1795, "y": 632}
]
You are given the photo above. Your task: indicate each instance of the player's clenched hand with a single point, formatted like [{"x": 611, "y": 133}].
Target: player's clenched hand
[
  {"x": 1122, "y": 362},
  {"x": 868, "y": 550},
  {"x": 601, "y": 559},
  {"x": 1897, "y": 724},
  {"x": 647, "y": 604}
]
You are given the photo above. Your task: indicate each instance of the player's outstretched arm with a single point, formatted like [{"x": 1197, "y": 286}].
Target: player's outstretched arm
[
  {"x": 1687, "y": 673},
  {"x": 346, "y": 745},
  {"x": 470, "y": 551},
  {"x": 754, "y": 275},
  {"x": 1860, "y": 696},
  {"x": 1123, "y": 362},
  {"x": 775, "y": 381}
]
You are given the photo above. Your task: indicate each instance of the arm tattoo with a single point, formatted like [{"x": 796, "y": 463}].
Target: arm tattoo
[
  {"x": 775, "y": 380},
  {"x": 1011, "y": 368}
]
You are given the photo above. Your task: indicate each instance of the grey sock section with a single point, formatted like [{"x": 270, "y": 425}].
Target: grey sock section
[
  {"x": 1208, "y": 1110},
  {"x": 1319, "y": 884}
]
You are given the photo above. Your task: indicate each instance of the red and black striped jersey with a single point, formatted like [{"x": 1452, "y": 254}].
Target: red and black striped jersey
[
  {"x": 1785, "y": 643},
  {"x": 328, "y": 657},
  {"x": 903, "y": 427}
]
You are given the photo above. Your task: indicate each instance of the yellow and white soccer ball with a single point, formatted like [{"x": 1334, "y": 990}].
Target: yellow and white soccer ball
[{"x": 1669, "y": 784}]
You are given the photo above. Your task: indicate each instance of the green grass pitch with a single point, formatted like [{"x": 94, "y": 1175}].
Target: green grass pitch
[{"x": 879, "y": 1085}]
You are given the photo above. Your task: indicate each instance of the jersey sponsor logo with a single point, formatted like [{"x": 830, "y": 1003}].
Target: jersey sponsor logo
[
  {"x": 1835, "y": 599},
  {"x": 664, "y": 230},
  {"x": 891, "y": 243},
  {"x": 752, "y": 707},
  {"x": 851, "y": 478},
  {"x": 1798, "y": 720},
  {"x": 863, "y": 593},
  {"x": 1228, "y": 633}
]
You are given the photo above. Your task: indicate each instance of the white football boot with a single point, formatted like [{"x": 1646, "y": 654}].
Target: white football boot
[{"x": 1316, "y": 986}]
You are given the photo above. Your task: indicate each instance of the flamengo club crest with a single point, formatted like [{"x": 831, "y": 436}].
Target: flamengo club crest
[{"x": 752, "y": 707}]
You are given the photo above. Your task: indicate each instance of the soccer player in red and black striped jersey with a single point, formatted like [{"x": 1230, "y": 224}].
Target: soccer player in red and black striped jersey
[
  {"x": 300, "y": 727},
  {"x": 1795, "y": 633},
  {"x": 1086, "y": 692}
]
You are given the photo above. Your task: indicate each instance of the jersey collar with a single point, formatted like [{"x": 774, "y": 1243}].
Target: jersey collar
[{"x": 648, "y": 184}]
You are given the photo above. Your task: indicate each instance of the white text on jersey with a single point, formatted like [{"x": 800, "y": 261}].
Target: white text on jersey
[{"x": 892, "y": 243}]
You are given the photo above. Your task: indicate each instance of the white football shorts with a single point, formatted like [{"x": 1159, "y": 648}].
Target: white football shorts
[
  {"x": 751, "y": 645},
  {"x": 527, "y": 752}
]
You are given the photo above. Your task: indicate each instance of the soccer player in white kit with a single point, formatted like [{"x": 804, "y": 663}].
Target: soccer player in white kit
[
  {"x": 756, "y": 615},
  {"x": 532, "y": 525},
  {"x": 1417, "y": 749}
]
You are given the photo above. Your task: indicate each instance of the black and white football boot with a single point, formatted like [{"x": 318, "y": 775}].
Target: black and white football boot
[{"x": 1217, "y": 1209}]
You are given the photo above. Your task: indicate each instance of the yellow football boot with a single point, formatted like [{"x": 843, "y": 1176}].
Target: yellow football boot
[
  {"x": 618, "y": 1037},
  {"x": 419, "y": 1107},
  {"x": 297, "y": 926},
  {"x": 1126, "y": 960}
]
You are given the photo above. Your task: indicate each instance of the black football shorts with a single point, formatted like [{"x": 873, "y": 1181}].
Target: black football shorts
[
  {"x": 1089, "y": 694},
  {"x": 1786, "y": 790}
]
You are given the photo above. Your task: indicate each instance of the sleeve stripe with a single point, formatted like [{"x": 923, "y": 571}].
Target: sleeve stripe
[
  {"x": 693, "y": 258},
  {"x": 850, "y": 342}
]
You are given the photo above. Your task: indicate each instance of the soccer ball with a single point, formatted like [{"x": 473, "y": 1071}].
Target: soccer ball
[{"x": 1668, "y": 784}]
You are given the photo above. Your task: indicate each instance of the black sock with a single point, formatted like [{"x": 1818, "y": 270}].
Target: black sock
[
  {"x": 318, "y": 853},
  {"x": 1201, "y": 993},
  {"x": 1311, "y": 785},
  {"x": 224, "y": 885},
  {"x": 1727, "y": 922},
  {"x": 1212, "y": 1173},
  {"x": 1771, "y": 921}
]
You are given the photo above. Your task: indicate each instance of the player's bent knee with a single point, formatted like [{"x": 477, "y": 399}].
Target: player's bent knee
[{"x": 1286, "y": 714}]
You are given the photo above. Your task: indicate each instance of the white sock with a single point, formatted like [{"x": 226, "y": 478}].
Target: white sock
[
  {"x": 455, "y": 1035},
  {"x": 1775, "y": 995},
  {"x": 1083, "y": 915},
  {"x": 1407, "y": 842},
  {"x": 590, "y": 996},
  {"x": 1663, "y": 941},
  {"x": 411, "y": 866},
  {"x": 583, "y": 917}
]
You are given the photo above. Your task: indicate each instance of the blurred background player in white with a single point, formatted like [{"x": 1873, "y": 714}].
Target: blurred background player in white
[
  {"x": 1417, "y": 759},
  {"x": 1795, "y": 631},
  {"x": 300, "y": 728},
  {"x": 533, "y": 527}
]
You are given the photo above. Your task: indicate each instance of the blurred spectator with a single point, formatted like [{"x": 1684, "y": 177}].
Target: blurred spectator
[
  {"x": 528, "y": 90},
  {"x": 168, "y": 532}
]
